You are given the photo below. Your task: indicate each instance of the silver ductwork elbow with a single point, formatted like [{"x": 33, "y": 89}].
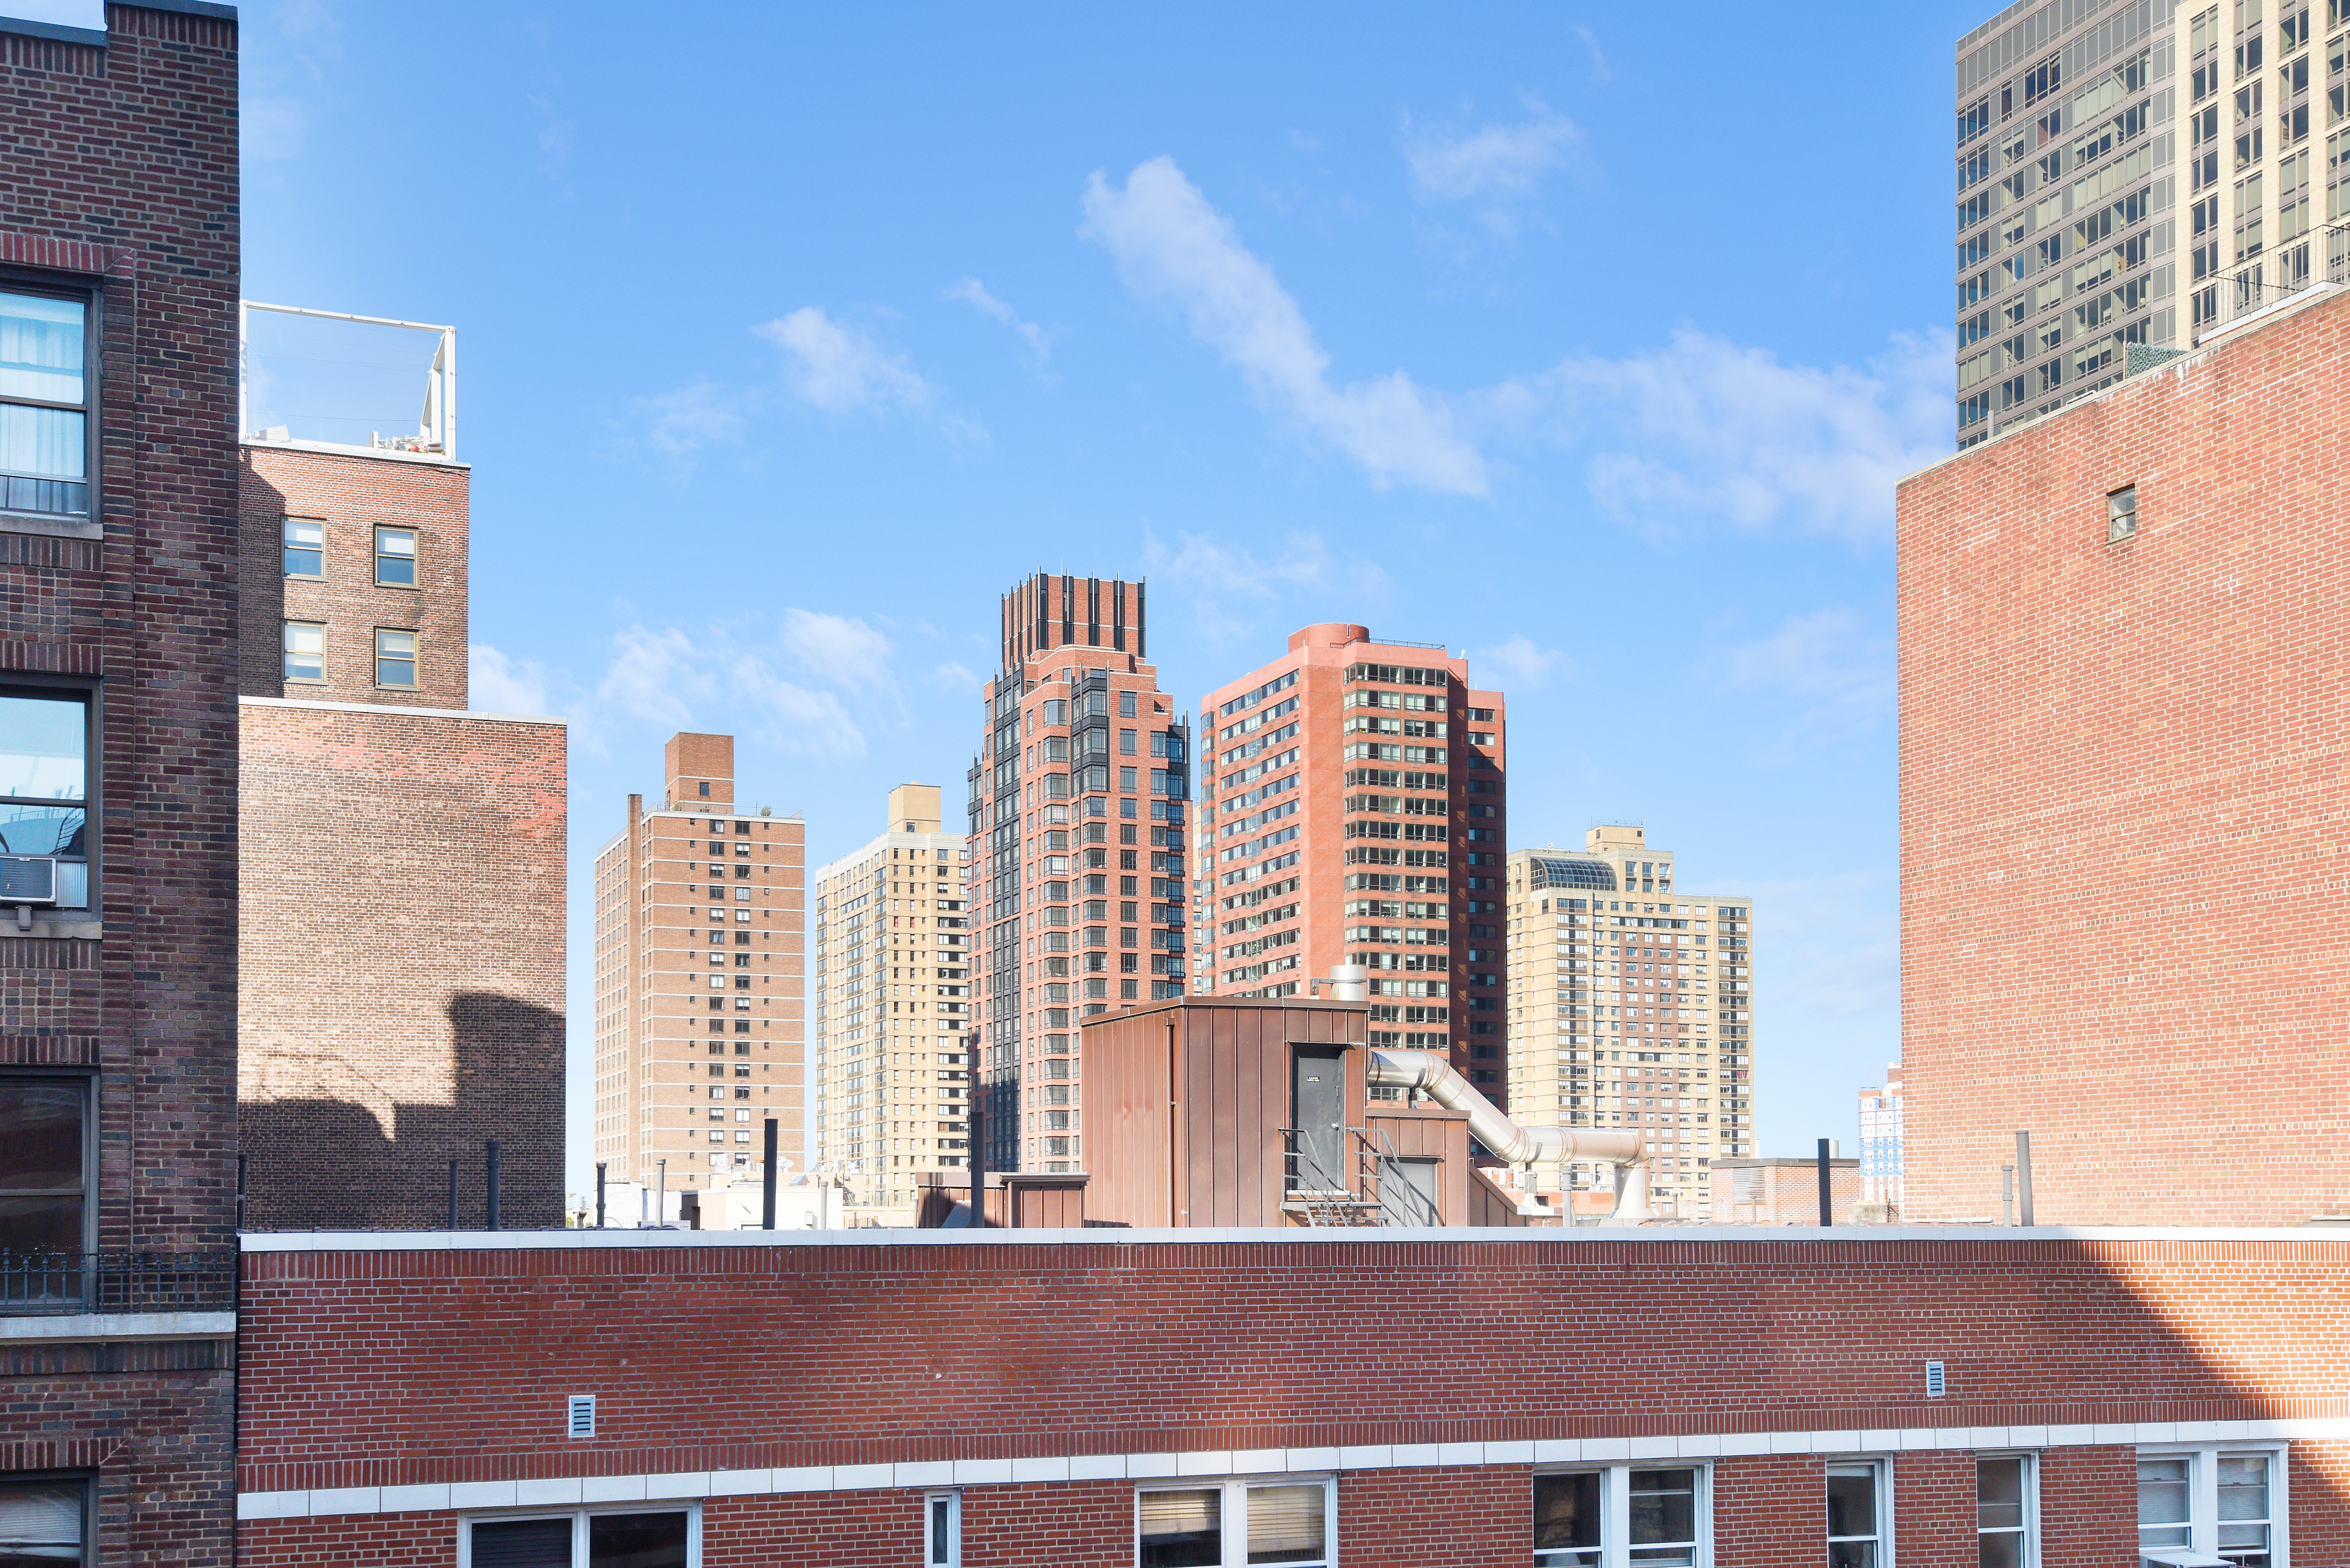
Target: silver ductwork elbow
[
  {"x": 1349, "y": 982},
  {"x": 1432, "y": 1076}
]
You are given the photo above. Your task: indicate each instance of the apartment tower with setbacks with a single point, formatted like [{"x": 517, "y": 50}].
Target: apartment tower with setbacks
[
  {"x": 1352, "y": 810},
  {"x": 699, "y": 905},
  {"x": 1079, "y": 803}
]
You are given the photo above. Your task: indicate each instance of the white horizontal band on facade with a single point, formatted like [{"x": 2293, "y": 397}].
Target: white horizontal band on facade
[
  {"x": 410, "y": 712},
  {"x": 68, "y": 1326},
  {"x": 578, "y": 1491}
]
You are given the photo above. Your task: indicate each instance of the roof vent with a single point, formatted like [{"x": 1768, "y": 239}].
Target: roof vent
[
  {"x": 583, "y": 1412},
  {"x": 1935, "y": 1384}
]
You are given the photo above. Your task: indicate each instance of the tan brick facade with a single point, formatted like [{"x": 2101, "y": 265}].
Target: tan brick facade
[
  {"x": 2125, "y": 798},
  {"x": 401, "y": 951},
  {"x": 353, "y": 496}
]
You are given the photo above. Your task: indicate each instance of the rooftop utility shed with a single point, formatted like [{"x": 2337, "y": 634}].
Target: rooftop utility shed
[{"x": 1245, "y": 1113}]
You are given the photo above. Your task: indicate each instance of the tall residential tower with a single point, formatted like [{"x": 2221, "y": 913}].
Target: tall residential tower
[
  {"x": 889, "y": 1086},
  {"x": 699, "y": 938},
  {"x": 1079, "y": 804},
  {"x": 1353, "y": 811},
  {"x": 1632, "y": 1005}
]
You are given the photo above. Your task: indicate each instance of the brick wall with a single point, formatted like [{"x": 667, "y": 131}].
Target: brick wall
[
  {"x": 121, "y": 179},
  {"x": 353, "y": 496},
  {"x": 2123, "y": 791},
  {"x": 403, "y": 959}
]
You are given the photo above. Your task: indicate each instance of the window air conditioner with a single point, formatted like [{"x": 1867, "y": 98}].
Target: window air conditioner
[{"x": 28, "y": 880}]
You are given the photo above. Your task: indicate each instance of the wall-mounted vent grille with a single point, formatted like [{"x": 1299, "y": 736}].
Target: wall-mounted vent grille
[
  {"x": 583, "y": 1409},
  {"x": 1934, "y": 1380}
]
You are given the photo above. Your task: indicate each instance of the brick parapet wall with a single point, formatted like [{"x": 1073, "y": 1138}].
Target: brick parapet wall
[
  {"x": 402, "y": 954},
  {"x": 2124, "y": 772},
  {"x": 909, "y": 1352}
]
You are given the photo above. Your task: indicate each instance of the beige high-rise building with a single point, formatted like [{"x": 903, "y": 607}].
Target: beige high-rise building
[
  {"x": 890, "y": 1088},
  {"x": 699, "y": 911},
  {"x": 1631, "y": 1005}
]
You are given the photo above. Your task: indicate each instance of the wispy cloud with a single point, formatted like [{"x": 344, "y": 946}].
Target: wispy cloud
[
  {"x": 655, "y": 676},
  {"x": 672, "y": 679},
  {"x": 1839, "y": 676},
  {"x": 680, "y": 424},
  {"x": 838, "y": 367},
  {"x": 1705, "y": 430},
  {"x": 1598, "y": 60},
  {"x": 841, "y": 650},
  {"x": 1522, "y": 663},
  {"x": 1169, "y": 244},
  {"x": 957, "y": 679},
  {"x": 272, "y": 128},
  {"x": 1218, "y": 576},
  {"x": 973, "y": 293},
  {"x": 497, "y": 684},
  {"x": 1493, "y": 162}
]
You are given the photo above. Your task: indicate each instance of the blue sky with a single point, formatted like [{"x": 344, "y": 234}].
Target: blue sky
[{"x": 1586, "y": 341}]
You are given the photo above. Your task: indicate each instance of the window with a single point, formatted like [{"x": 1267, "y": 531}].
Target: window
[
  {"x": 942, "y": 1529},
  {"x": 44, "y": 834},
  {"x": 580, "y": 1540},
  {"x": 305, "y": 650},
  {"x": 44, "y": 405},
  {"x": 44, "y": 1166},
  {"x": 1619, "y": 1517},
  {"x": 41, "y": 1522},
  {"x": 2004, "y": 1532},
  {"x": 395, "y": 658},
  {"x": 395, "y": 557},
  {"x": 2121, "y": 515},
  {"x": 2194, "y": 1504},
  {"x": 1855, "y": 1515},
  {"x": 305, "y": 544},
  {"x": 1234, "y": 1523},
  {"x": 1126, "y": 704}
]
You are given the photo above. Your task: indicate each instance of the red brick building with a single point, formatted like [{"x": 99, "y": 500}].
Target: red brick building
[
  {"x": 1354, "y": 809},
  {"x": 118, "y": 583},
  {"x": 835, "y": 1401},
  {"x": 2124, "y": 731}
]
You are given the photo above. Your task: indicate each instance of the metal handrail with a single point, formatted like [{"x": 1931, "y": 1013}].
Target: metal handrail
[{"x": 2321, "y": 256}]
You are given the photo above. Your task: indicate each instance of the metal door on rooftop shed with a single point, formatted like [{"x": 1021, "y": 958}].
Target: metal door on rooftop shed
[{"x": 1317, "y": 1105}]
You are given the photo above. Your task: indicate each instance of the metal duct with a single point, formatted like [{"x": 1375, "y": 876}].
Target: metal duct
[
  {"x": 1432, "y": 1076},
  {"x": 1349, "y": 982}
]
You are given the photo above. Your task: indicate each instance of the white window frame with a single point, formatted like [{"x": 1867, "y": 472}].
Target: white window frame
[
  {"x": 2203, "y": 1493},
  {"x": 1616, "y": 1505},
  {"x": 2031, "y": 1459},
  {"x": 1882, "y": 1464},
  {"x": 931, "y": 1555},
  {"x": 1233, "y": 1518},
  {"x": 579, "y": 1516}
]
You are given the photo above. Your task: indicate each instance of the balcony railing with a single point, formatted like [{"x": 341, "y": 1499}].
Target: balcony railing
[
  {"x": 2320, "y": 257},
  {"x": 44, "y": 1283}
]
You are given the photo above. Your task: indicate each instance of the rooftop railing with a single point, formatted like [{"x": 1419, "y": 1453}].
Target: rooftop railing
[
  {"x": 2318, "y": 258},
  {"x": 38, "y": 1283}
]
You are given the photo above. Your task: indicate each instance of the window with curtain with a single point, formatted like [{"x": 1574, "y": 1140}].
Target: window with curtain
[
  {"x": 1234, "y": 1523},
  {"x": 1856, "y": 1533},
  {"x": 44, "y": 404},
  {"x": 41, "y": 1523},
  {"x": 44, "y": 798}
]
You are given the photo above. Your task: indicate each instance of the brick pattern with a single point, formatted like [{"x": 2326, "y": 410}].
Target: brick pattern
[
  {"x": 402, "y": 949},
  {"x": 353, "y": 496},
  {"x": 2122, "y": 791},
  {"x": 122, "y": 178}
]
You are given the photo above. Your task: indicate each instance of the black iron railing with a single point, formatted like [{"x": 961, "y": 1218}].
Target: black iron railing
[{"x": 33, "y": 1282}]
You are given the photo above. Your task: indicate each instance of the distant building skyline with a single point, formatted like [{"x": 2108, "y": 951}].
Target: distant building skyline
[{"x": 1880, "y": 1141}]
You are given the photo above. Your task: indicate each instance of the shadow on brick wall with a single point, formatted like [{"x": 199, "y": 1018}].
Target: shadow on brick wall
[{"x": 325, "y": 1164}]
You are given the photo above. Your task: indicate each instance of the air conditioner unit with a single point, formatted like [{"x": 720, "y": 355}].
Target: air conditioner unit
[{"x": 27, "y": 879}]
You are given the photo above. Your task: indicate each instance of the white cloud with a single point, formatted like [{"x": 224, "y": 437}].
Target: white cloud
[
  {"x": 271, "y": 128},
  {"x": 1704, "y": 429},
  {"x": 812, "y": 723},
  {"x": 1169, "y": 242},
  {"x": 837, "y": 368},
  {"x": 1841, "y": 676},
  {"x": 703, "y": 414},
  {"x": 1492, "y": 163},
  {"x": 1598, "y": 61},
  {"x": 1208, "y": 563},
  {"x": 655, "y": 676},
  {"x": 956, "y": 678},
  {"x": 1524, "y": 663},
  {"x": 973, "y": 293},
  {"x": 841, "y": 650},
  {"x": 497, "y": 684}
]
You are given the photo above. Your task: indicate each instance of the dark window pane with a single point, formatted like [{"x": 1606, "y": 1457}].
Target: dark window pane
[
  {"x": 2001, "y": 1551},
  {"x": 636, "y": 1541},
  {"x": 1852, "y": 1502},
  {"x": 1566, "y": 1511},
  {"x": 40, "y": 1133},
  {"x": 1181, "y": 1528},
  {"x": 525, "y": 1543},
  {"x": 1664, "y": 1507}
]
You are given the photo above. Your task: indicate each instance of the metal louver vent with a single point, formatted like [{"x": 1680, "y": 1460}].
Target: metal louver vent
[
  {"x": 1934, "y": 1380},
  {"x": 583, "y": 1412}
]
